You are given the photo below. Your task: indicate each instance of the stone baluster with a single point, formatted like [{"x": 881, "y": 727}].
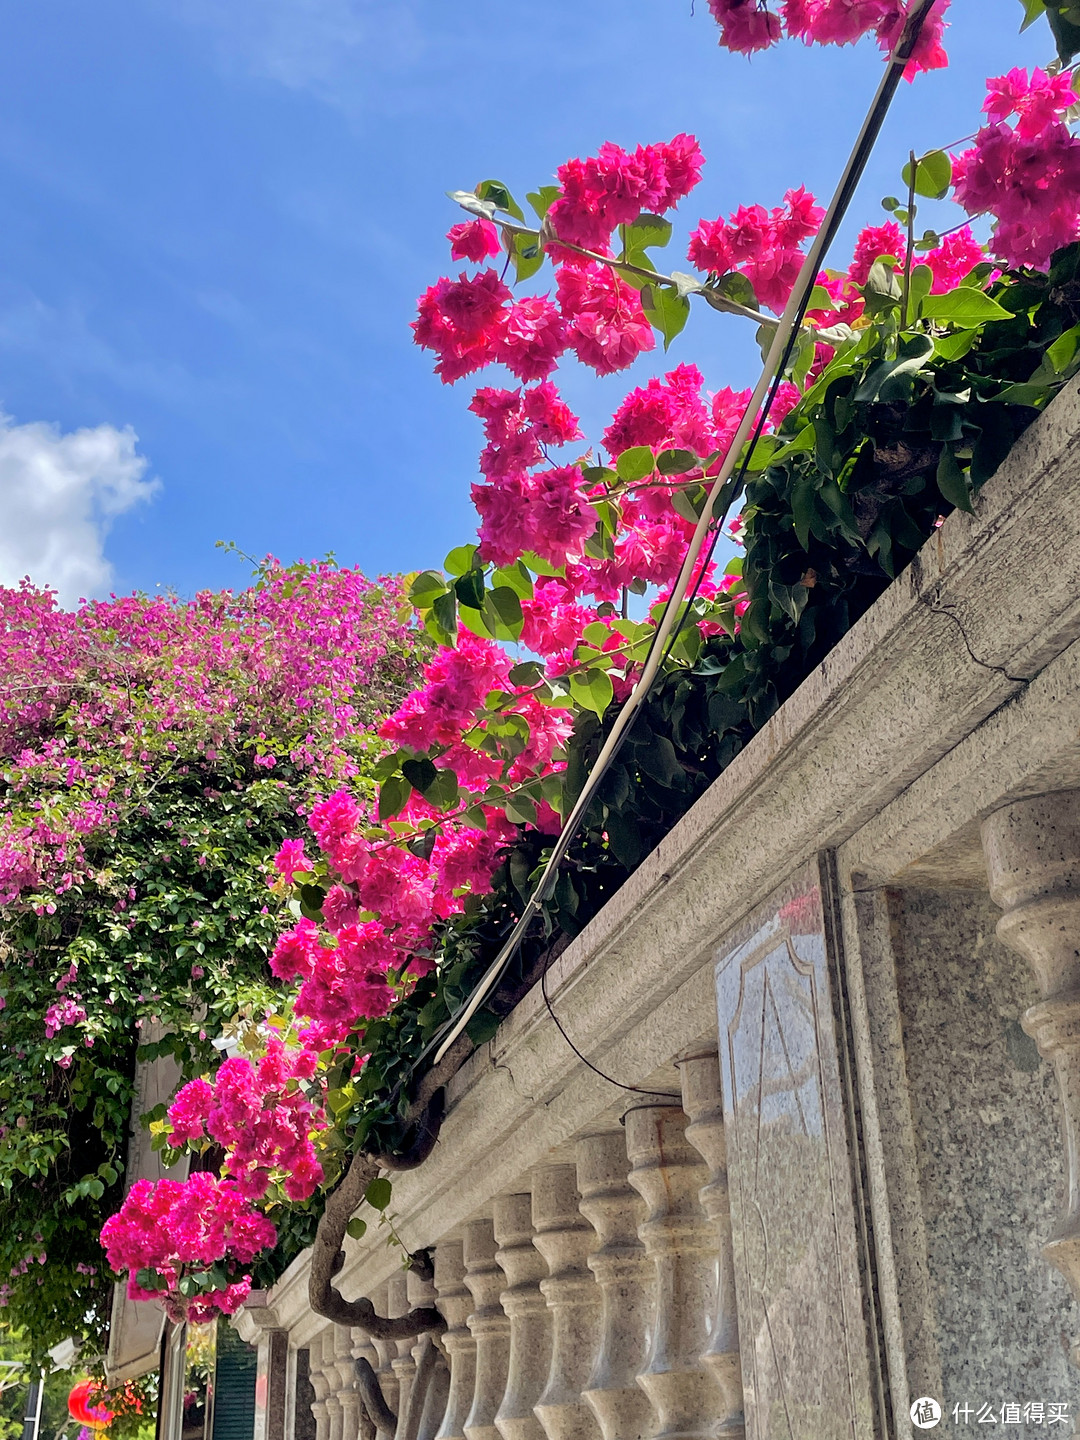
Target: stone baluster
[
  {"x": 627, "y": 1281},
  {"x": 363, "y": 1348},
  {"x": 401, "y": 1356},
  {"x": 565, "y": 1238},
  {"x": 345, "y": 1372},
  {"x": 455, "y": 1305},
  {"x": 490, "y": 1327},
  {"x": 1032, "y": 853},
  {"x": 667, "y": 1173},
  {"x": 386, "y": 1351},
  {"x": 422, "y": 1292},
  {"x": 530, "y": 1320},
  {"x": 703, "y": 1101},
  {"x": 320, "y": 1383},
  {"x": 335, "y": 1410}
]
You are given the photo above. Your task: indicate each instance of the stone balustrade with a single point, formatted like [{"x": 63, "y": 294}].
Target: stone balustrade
[{"x": 585, "y": 1308}]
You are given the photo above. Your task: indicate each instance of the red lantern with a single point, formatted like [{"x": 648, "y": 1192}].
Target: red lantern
[{"x": 82, "y": 1408}]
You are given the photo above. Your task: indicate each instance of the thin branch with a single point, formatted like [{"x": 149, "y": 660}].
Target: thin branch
[
  {"x": 910, "y": 241},
  {"x": 654, "y": 277}
]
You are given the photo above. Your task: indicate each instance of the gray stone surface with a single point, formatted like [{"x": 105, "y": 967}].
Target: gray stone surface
[
  {"x": 806, "y": 1348},
  {"x": 991, "y": 1166}
]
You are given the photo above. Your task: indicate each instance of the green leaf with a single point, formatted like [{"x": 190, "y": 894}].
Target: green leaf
[
  {"x": 443, "y": 791},
  {"x": 956, "y": 345},
  {"x": 393, "y": 796},
  {"x": 542, "y": 200},
  {"x": 676, "y": 462},
  {"x": 686, "y": 284},
  {"x": 592, "y": 691},
  {"x": 1063, "y": 351},
  {"x": 803, "y": 508},
  {"x": 526, "y": 255},
  {"x": 498, "y": 195},
  {"x": 658, "y": 760},
  {"x": 952, "y": 482},
  {"x": 647, "y": 232},
  {"x": 444, "y": 614},
  {"x": 820, "y": 299},
  {"x": 882, "y": 291},
  {"x": 964, "y": 307},
  {"x": 419, "y": 772},
  {"x": 482, "y": 1027},
  {"x": 1032, "y": 395},
  {"x": 922, "y": 278},
  {"x": 469, "y": 200},
  {"x": 530, "y": 672},
  {"x": 379, "y": 1192},
  {"x": 890, "y": 203},
  {"x": 538, "y": 565},
  {"x": 690, "y": 502},
  {"x": 426, "y": 588},
  {"x": 1066, "y": 30},
  {"x": 459, "y": 562},
  {"x": 1032, "y": 10},
  {"x": 311, "y": 902},
  {"x": 916, "y": 351},
  {"x": 470, "y": 589},
  {"x": 640, "y": 261},
  {"x": 933, "y": 175},
  {"x": 356, "y": 1228},
  {"x": 502, "y": 611},
  {"x": 514, "y": 577},
  {"x": 636, "y": 463},
  {"x": 520, "y": 809},
  {"x": 666, "y": 310},
  {"x": 738, "y": 288}
]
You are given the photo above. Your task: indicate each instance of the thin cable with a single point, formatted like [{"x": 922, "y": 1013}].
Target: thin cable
[
  {"x": 725, "y": 488},
  {"x": 637, "y": 1089}
]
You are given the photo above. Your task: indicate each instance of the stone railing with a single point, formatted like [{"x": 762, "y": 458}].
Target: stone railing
[{"x": 816, "y": 1186}]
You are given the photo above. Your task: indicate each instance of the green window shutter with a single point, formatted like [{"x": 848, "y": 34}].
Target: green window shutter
[{"x": 234, "y": 1387}]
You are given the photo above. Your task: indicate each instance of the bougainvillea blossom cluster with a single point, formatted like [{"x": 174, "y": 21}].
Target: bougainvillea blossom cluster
[
  {"x": 763, "y": 245},
  {"x": 1026, "y": 174},
  {"x": 138, "y": 677},
  {"x": 750, "y": 25},
  {"x": 170, "y": 1226},
  {"x": 262, "y": 1117}
]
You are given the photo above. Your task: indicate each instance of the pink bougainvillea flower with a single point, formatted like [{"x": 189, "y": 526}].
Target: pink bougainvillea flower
[{"x": 476, "y": 240}]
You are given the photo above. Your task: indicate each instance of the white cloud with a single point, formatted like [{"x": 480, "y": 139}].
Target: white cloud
[
  {"x": 59, "y": 494},
  {"x": 334, "y": 49}
]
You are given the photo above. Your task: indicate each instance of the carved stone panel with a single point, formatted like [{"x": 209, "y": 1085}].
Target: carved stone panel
[{"x": 809, "y": 1371}]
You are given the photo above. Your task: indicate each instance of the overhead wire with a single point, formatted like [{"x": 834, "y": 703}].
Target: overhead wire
[{"x": 724, "y": 490}]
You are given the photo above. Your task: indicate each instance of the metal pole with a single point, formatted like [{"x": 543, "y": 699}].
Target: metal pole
[{"x": 32, "y": 1418}]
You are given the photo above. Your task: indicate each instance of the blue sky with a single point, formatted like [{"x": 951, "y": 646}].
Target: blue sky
[{"x": 218, "y": 216}]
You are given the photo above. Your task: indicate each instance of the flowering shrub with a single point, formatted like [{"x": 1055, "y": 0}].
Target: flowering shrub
[
  {"x": 920, "y": 364},
  {"x": 747, "y": 25},
  {"x": 1027, "y": 174},
  {"x": 155, "y": 755}
]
